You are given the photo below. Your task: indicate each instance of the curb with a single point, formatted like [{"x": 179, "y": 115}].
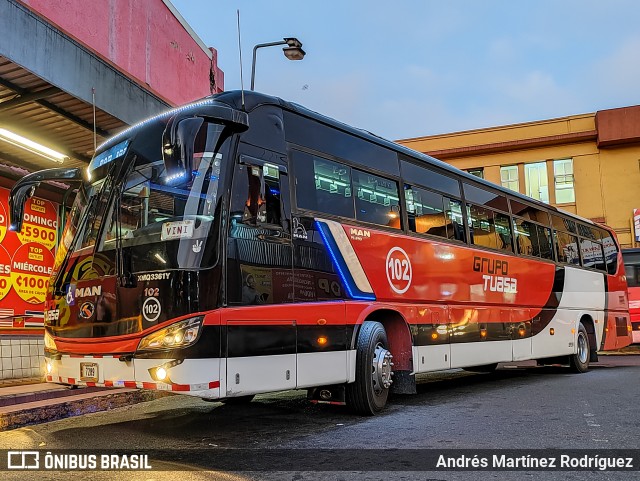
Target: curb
[{"x": 92, "y": 403}]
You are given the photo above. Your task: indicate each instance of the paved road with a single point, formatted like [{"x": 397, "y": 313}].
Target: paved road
[{"x": 517, "y": 407}]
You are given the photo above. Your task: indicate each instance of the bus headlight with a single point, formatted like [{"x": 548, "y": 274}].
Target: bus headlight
[{"x": 176, "y": 336}]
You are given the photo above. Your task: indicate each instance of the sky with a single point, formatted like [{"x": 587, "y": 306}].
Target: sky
[{"x": 412, "y": 68}]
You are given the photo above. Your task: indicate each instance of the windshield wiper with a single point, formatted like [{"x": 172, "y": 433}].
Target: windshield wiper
[{"x": 62, "y": 279}]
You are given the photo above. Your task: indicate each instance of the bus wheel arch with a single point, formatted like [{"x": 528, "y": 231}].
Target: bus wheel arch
[
  {"x": 589, "y": 325},
  {"x": 401, "y": 347},
  {"x": 579, "y": 362}
]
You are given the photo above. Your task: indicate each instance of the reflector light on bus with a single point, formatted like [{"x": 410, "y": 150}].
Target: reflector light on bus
[
  {"x": 434, "y": 335},
  {"x": 322, "y": 340},
  {"x": 552, "y": 331},
  {"x": 49, "y": 343}
]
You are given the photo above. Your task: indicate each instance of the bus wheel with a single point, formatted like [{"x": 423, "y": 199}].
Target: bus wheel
[
  {"x": 579, "y": 361},
  {"x": 368, "y": 394},
  {"x": 235, "y": 401}
]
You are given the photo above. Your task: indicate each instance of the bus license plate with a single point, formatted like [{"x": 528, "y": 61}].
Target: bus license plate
[{"x": 89, "y": 371}]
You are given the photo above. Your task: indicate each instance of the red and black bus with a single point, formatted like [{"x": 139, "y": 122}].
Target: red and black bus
[{"x": 232, "y": 247}]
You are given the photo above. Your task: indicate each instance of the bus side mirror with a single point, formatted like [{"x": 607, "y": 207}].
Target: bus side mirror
[
  {"x": 178, "y": 145},
  {"x": 25, "y": 188},
  {"x": 16, "y": 205}
]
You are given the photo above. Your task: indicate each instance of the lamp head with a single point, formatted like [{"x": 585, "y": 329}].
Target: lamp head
[{"x": 294, "y": 53}]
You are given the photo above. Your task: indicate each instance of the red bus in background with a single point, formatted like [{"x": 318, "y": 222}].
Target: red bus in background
[
  {"x": 631, "y": 259},
  {"x": 243, "y": 244}
]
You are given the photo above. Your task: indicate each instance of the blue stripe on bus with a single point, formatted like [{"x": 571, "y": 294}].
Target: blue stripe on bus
[{"x": 341, "y": 266}]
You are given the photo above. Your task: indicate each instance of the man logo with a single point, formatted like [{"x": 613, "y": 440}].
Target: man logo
[{"x": 86, "y": 310}]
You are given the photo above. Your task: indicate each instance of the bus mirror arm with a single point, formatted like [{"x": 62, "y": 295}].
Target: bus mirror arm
[{"x": 26, "y": 187}]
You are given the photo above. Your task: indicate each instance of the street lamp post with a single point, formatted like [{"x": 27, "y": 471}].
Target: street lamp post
[{"x": 293, "y": 51}]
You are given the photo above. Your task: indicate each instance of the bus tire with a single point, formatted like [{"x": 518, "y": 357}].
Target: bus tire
[
  {"x": 579, "y": 362},
  {"x": 368, "y": 394},
  {"x": 238, "y": 400}
]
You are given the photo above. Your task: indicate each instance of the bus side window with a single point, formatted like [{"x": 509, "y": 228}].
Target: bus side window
[
  {"x": 566, "y": 248},
  {"x": 610, "y": 253},
  {"x": 527, "y": 245},
  {"x": 425, "y": 211},
  {"x": 503, "y": 229},
  {"x": 255, "y": 206},
  {"x": 323, "y": 185},
  {"x": 455, "y": 227},
  {"x": 256, "y": 198},
  {"x": 482, "y": 228},
  {"x": 376, "y": 199}
]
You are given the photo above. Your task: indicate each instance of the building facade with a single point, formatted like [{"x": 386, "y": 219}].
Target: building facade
[{"x": 586, "y": 164}]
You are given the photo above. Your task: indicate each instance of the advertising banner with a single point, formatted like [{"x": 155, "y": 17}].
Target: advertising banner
[
  {"x": 636, "y": 223},
  {"x": 26, "y": 261}
]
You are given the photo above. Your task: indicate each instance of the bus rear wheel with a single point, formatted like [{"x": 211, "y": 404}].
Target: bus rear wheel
[
  {"x": 369, "y": 393},
  {"x": 579, "y": 362}
]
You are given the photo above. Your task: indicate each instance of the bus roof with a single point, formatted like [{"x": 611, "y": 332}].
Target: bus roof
[{"x": 253, "y": 99}]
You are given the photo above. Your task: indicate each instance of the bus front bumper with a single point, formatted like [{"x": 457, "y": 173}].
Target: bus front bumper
[{"x": 195, "y": 377}]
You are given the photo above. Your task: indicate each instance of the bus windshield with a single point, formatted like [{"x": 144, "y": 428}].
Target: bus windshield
[
  {"x": 141, "y": 218},
  {"x": 164, "y": 225}
]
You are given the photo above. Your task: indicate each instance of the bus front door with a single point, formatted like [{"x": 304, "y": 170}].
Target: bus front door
[{"x": 260, "y": 329}]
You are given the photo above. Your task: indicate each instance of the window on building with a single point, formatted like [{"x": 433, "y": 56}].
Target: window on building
[
  {"x": 478, "y": 172},
  {"x": 509, "y": 177},
  {"x": 563, "y": 180},
  {"x": 535, "y": 181}
]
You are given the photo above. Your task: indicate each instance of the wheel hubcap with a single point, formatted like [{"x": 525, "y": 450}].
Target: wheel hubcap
[
  {"x": 583, "y": 348},
  {"x": 381, "y": 370}
]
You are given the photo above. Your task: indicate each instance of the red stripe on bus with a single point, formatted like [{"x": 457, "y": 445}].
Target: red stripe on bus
[
  {"x": 256, "y": 322},
  {"x": 180, "y": 387},
  {"x": 108, "y": 383},
  {"x": 130, "y": 384}
]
